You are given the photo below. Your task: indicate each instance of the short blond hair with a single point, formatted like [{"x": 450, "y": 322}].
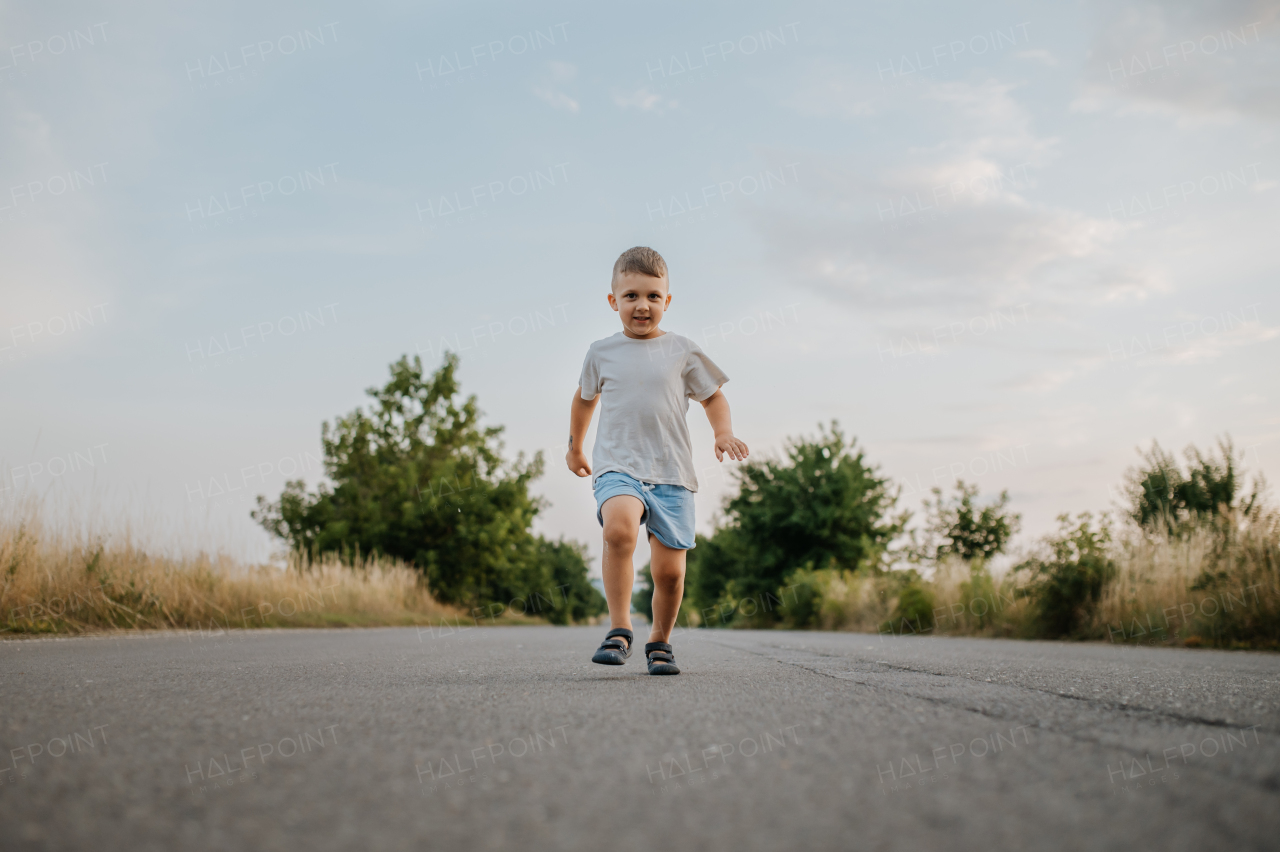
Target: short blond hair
[{"x": 640, "y": 259}]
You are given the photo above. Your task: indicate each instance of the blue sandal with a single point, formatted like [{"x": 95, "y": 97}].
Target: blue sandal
[
  {"x": 661, "y": 659},
  {"x": 612, "y": 651}
]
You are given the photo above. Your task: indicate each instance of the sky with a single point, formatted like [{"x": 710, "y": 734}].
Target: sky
[{"x": 1010, "y": 243}]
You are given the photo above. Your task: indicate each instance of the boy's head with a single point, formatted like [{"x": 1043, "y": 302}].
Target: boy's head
[{"x": 640, "y": 291}]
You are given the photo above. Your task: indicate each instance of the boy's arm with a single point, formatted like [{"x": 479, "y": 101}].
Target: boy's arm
[
  {"x": 579, "y": 420},
  {"x": 717, "y": 408}
]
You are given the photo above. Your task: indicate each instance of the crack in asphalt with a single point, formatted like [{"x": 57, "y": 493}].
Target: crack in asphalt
[
  {"x": 1267, "y": 784},
  {"x": 1096, "y": 702},
  {"x": 1102, "y": 703}
]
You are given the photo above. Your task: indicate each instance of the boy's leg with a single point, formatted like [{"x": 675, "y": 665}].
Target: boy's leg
[
  {"x": 666, "y": 564},
  {"x": 621, "y": 516}
]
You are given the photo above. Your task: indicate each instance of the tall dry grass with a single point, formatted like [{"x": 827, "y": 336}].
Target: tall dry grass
[
  {"x": 1215, "y": 584},
  {"x": 75, "y": 578},
  {"x": 952, "y": 599}
]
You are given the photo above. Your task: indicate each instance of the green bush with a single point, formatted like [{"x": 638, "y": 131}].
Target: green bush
[
  {"x": 1068, "y": 575},
  {"x": 807, "y": 591},
  {"x": 822, "y": 505},
  {"x": 915, "y": 606},
  {"x": 913, "y": 603},
  {"x": 980, "y": 587}
]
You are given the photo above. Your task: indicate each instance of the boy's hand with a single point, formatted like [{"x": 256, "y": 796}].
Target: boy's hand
[
  {"x": 727, "y": 444},
  {"x": 577, "y": 461}
]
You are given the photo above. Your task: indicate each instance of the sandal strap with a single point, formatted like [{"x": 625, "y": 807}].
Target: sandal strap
[
  {"x": 611, "y": 639},
  {"x": 657, "y": 646},
  {"x": 660, "y": 656},
  {"x": 621, "y": 631}
]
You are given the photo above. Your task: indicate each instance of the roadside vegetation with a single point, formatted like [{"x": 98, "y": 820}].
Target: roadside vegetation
[
  {"x": 415, "y": 477},
  {"x": 421, "y": 520},
  {"x": 816, "y": 539},
  {"x": 60, "y": 580}
]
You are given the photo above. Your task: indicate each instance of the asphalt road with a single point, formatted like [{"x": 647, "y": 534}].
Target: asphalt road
[{"x": 509, "y": 738}]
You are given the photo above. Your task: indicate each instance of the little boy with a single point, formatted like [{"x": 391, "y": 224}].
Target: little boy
[{"x": 643, "y": 457}]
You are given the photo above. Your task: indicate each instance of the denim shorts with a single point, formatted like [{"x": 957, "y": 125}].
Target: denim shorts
[{"x": 668, "y": 509}]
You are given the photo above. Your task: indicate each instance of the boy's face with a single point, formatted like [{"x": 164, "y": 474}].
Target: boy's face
[{"x": 640, "y": 301}]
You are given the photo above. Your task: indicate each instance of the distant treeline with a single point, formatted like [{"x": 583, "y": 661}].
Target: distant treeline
[{"x": 815, "y": 538}]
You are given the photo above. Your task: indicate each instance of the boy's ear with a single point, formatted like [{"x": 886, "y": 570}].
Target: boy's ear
[{"x": 613, "y": 303}]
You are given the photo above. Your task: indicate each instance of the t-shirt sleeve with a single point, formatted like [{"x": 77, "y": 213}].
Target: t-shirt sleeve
[
  {"x": 702, "y": 377},
  {"x": 589, "y": 381}
]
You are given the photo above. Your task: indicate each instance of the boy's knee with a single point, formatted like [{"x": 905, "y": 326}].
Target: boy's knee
[
  {"x": 620, "y": 536},
  {"x": 669, "y": 578}
]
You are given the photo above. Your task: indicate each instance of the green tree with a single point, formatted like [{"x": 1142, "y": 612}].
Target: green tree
[
  {"x": 710, "y": 566},
  {"x": 574, "y": 598},
  {"x": 957, "y": 527},
  {"x": 417, "y": 477},
  {"x": 822, "y": 505},
  {"x": 1162, "y": 496}
]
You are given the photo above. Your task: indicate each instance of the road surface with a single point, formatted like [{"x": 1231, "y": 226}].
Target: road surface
[{"x": 509, "y": 738}]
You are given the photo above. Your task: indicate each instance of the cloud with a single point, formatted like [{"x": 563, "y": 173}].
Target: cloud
[
  {"x": 952, "y": 226},
  {"x": 1209, "y": 346},
  {"x": 645, "y": 100},
  {"x": 1041, "y": 381},
  {"x": 558, "y": 100},
  {"x": 1193, "y": 62},
  {"x": 563, "y": 72},
  {"x": 53, "y": 292},
  {"x": 1038, "y": 55},
  {"x": 28, "y": 129},
  {"x": 832, "y": 88}
]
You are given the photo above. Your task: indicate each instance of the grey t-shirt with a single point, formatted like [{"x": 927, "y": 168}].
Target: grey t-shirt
[{"x": 647, "y": 385}]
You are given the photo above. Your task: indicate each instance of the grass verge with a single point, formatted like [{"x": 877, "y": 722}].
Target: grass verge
[{"x": 72, "y": 580}]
